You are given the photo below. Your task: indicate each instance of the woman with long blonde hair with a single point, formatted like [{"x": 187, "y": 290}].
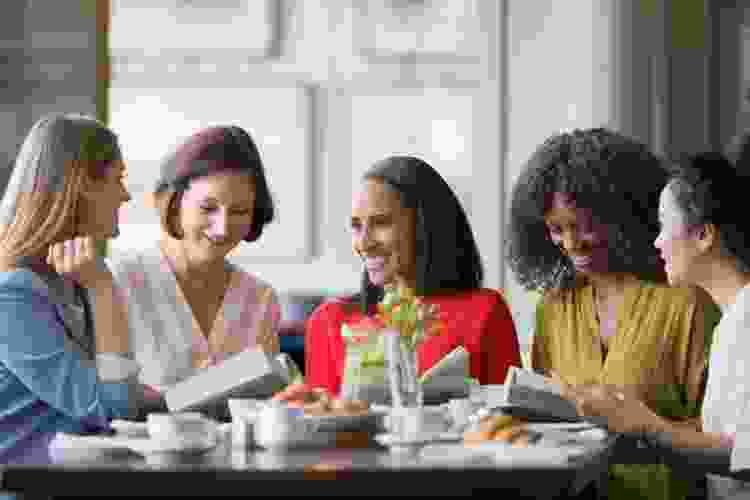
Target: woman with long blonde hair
[{"x": 65, "y": 362}]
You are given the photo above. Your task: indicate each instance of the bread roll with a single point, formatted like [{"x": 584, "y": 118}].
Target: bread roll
[
  {"x": 489, "y": 426},
  {"x": 349, "y": 406}
]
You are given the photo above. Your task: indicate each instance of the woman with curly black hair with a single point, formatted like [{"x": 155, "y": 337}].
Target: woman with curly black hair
[
  {"x": 583, "y": 219},
  {"x": 705, "y": 241}
]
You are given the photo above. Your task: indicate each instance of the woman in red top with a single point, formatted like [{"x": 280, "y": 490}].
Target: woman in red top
[{"x": 410, "y": 231}]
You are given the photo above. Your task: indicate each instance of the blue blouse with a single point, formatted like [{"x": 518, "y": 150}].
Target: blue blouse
[{"x": 50, "y": 378}]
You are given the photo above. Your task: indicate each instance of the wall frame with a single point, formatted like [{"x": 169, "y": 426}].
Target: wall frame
[
  {"x": 150, "y": 121},
  {"x": 195, "y": 26},
  {"x": 438, "y": 30}
]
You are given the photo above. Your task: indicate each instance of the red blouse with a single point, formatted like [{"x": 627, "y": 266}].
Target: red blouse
[{"x": 479, "y": 320}]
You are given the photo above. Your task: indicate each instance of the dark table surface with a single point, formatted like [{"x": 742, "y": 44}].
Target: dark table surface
[{"x": 355, "y": 467}]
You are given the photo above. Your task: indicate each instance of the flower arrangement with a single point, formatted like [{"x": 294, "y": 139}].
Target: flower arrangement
[{"x": 414, "y": 319}]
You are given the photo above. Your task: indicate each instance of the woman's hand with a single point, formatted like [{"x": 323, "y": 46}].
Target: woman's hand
[
  {"x": 623, "y": 414},
  {"x": 301, "y": 394},
  {"x": 78, "y": 260}
]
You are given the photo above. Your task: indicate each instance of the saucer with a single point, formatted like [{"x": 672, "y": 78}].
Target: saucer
[{"x": 392, "y": 440}]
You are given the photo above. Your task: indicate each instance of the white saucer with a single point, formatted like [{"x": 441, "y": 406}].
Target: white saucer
[
  {"x": 391, "y": 440},
  {"x": 134, "y": 436}
]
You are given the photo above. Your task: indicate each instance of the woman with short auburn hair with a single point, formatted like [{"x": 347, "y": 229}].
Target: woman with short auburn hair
[{"x": 188, "y": 306}]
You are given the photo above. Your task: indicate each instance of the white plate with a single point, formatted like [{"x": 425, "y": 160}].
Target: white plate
[
  {"x": 502, "y": 454},
  {"x": 130, "y": 428},
  {"x": 143, "y": 446},
  {"x": 149, "y": 446},
  {"x": 332, "y": 423},
  {"x": 132, "y": 436},
  {"x": 391, "y": 440},
  {"x": 560, "y": 426}
]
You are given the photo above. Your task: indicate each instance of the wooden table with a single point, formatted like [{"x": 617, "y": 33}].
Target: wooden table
[{"x": 349, "y": 471}]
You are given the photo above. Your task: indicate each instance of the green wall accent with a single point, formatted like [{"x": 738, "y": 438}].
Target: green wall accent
[{"x": 99, "y": 10}]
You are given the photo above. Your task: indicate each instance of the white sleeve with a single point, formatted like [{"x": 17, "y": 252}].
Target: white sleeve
[{"x": 113, "y": 367}]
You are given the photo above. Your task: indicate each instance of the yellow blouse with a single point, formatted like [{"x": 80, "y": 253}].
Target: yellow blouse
[{"x": 657, "y": 353}]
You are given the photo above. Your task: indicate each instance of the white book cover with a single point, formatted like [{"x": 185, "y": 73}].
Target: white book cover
[{"x": 251, "y": 373}]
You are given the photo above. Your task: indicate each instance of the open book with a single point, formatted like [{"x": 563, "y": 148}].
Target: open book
[
  {"x": 446, "y": 379},
  {"x": 251, "y": 373},
  {"x": 536, "y": 397}
]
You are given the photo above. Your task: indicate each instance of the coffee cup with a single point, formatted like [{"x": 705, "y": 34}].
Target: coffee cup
[
  {"x": 416, "y": 422},
  {"x": 244, "y": 412},
  {"x": 460, "y": 411},
  {"x": 278, "y": 425},
  {"x": 185, "y": 426}
]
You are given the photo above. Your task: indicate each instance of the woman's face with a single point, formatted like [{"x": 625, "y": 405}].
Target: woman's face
[
  {"x": 573, "y": 230},
  {"x": 384, "y": 234},
  {"x": 216, "y": 213},
  {"x": 676, "y": 240},
  {"x": 98, "y": 212}
]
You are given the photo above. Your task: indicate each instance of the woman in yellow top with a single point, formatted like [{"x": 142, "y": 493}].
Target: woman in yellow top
[{"x": 583, "y": 218}]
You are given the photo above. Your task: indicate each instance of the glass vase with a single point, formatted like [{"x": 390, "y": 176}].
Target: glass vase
[{"x": 406, "y": 391}]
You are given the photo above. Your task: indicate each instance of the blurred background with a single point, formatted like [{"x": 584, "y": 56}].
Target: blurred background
[{"x": 327, "y": 87}]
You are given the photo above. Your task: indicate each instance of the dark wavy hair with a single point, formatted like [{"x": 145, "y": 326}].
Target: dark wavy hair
[
  {"x": 708, "y": 189},
  {"x": 614, "y": 176},
  {"x": 448, "y": 259},
  {"x": 211, "y": 151}
]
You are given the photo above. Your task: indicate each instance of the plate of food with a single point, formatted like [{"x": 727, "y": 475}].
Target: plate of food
[
  {"x": 333, "y": 414},
  {"x": 513, "y": 440}
]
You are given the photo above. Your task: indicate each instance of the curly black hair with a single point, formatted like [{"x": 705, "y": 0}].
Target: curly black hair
[
  {"x": 707, "y": 188},
  {"x": 614, "y": 176}
]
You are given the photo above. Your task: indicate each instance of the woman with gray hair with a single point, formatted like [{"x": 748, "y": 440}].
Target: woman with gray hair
[{"x": 64, "y": 349}]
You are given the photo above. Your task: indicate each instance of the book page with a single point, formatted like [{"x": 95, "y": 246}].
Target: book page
[
  {"x": 454, "y": 364},
  {"x": 531, "y": 379}
]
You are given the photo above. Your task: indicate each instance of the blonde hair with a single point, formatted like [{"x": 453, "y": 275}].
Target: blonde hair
[{"x": 57, "y": 158}]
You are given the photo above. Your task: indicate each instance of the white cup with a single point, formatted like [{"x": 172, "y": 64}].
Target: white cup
[
  {"x": 244, "y": 412},
  {"x": 460, "y": 410},
  {"x": 186, "y": 426},
  {"x": 416, "y": 422},
  {"x": 279, "y": 426},
  {"x": 494, "y": 395}
]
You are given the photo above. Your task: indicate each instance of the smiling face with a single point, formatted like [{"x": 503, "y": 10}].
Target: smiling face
[
  {"x": 573, "y": 230},
  {"x": 101, "y": 201},
  {"x": 384, "y": 235},
  {"x": 216, "y": 213},
  {"x": 676, "y": 241}
]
